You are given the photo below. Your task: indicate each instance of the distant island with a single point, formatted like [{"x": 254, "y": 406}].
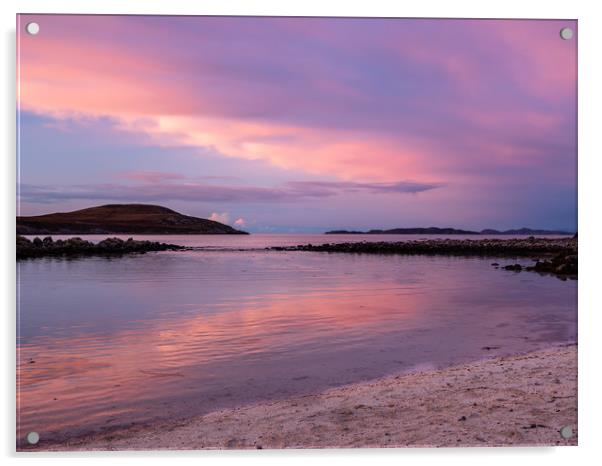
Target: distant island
[
  {"x": 526, "y": 231},
  {"x": 121, "y": 218},
  {"x": 447, "y": 231}
]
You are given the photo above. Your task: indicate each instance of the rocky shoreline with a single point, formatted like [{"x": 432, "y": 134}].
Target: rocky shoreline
[
  {"x": 556, "y": 256},
  {"x": 79, "y": 247},
  {"x": 551, "y": 255},
  {"x": 482, "y": 247},
  {"x": 561, "y": 264},
  {"x": 466, "y": 247}
]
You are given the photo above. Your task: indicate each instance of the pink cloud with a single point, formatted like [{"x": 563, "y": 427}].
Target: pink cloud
[
  {"x": 223, "y": 217},
  {"x": 410, "y": 99}
]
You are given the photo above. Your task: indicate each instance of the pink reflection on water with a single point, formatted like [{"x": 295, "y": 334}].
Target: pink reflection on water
[
  {"x": 232, "y": 328},
  {"x": 88, "y": 373}
]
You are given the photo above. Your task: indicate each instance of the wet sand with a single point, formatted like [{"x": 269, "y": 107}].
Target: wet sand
[{"x": 515, "y": 400}]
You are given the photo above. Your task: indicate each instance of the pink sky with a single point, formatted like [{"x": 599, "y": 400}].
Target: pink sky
[{"x": 295, "y": 123}]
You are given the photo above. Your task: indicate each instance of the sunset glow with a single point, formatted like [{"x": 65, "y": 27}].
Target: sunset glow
[{"x": 299, "y": 124}]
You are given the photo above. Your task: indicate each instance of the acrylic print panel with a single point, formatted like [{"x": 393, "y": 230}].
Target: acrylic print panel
[{"x": 345, "y": 232}]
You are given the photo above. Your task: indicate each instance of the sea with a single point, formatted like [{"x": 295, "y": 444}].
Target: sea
[{"x": 109, "y": 342}]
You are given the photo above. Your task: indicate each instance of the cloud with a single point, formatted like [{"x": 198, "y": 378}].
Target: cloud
[
  {"x": 220, "y": 217},
  {"x": 240, "y": 222},
  {"x": 149, "y": 176},
  {"x": 328, "y": 188},
  {"x": 486, "y": 108},
  {"x": 199, "y": 192},
  {"x": 366, "y": 99}
]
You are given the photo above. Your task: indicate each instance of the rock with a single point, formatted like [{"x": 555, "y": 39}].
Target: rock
[
  {"x": 564, "y": 248},
  {"x": 561, "y": 264},
  {"x": 483, "y": 247},
  {"x": 23, "y": 242},
  {"x": 77, "y": 246},
  {"x": 515, "y": 267}
]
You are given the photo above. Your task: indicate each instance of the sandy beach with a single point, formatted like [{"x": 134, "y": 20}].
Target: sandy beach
[{"x": 516, "y": 400}]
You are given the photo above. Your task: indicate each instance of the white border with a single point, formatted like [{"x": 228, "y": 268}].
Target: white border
[{"x": 590, "y": 228}]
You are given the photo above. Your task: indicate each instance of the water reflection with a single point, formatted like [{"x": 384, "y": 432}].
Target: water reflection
[{"x": 170, "y": 334}]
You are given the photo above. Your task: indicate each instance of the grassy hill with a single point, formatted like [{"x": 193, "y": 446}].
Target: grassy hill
[{"x": 121, "y": 218}]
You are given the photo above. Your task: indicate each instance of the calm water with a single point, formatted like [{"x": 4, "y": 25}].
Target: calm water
[{"x": 105, "y": 342}]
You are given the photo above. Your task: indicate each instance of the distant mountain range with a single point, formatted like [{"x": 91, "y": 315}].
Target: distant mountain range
[
  {"x": 447, "y": 231},
  {"x": 121, "y": 218}
]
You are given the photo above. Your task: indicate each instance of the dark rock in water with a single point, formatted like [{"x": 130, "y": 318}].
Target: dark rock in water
[
  {"x": 461, "y": 247},
  {"x": 515, "y": 267},
  {"x": 561, "y": 264},
  {"x": 562, "y": 250},
  {"x": 79, "y": 247}
]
